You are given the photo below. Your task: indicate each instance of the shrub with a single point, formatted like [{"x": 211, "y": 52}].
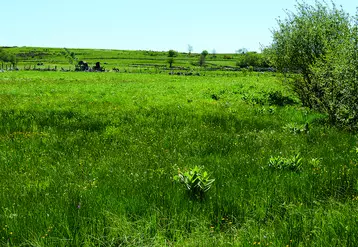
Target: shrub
[
  {"x": 7, "y": 57},
  {"x": 172, "y": 53},
  {"x": 248, "y": 59},
  {"x": 320, "y": 43},
  {"x": 336, "y": 82}
]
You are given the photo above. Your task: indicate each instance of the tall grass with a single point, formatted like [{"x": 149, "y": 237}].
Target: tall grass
[{"x": 89, "y": 160}]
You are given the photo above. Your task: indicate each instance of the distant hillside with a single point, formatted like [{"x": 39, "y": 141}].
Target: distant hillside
[{"x": 122, "y": 60}]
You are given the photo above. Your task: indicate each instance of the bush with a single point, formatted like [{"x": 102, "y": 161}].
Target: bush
[
  {"x": 7, "y": 57},
  {"x": 250, "y": 59},
  {"x": 319, "y": 43},
  {"x": 336, "y": 82},
  {"x": 172, "y": 53}
]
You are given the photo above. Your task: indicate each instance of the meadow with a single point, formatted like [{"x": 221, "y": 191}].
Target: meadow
[
  {"x": 91, "y": 159},
  {"x": 30, "y": 58}
]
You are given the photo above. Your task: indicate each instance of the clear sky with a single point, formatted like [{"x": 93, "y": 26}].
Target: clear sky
[{"x": 160, "y": 25}]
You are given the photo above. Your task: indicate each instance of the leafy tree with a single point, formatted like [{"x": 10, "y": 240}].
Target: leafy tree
[
  {"x": 2, "y": 55},
  {"x": 303, "y": 38},
  {"x": 319, "y": 42},
  {"x": 172, "y": 53},
  {"x": 171, "y": 61},
  {"x": 336, "y": 79},
  {"x": 202, "y": 58},
  {"x": 204, "y": 53},
  {"x": 7, "y": 58}
]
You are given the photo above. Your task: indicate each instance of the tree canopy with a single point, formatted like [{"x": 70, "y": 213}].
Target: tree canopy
[
  {"x": 319, "y": 43},
  {"x": 7, "y": 58}
]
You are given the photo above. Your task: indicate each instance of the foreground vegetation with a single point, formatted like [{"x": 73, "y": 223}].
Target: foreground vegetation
[
  {"x": 92, "y": 159},
  {"x": 176, "y": 149},
  {"x": 319, "y": 42}
]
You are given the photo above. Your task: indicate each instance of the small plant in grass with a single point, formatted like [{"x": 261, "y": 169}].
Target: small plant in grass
[
  {"x": 296, "y": 128},
  {"x": 316, "y": 166},
  {"x": 280, "y": 163},
  {"x": 197, "y": 182}
]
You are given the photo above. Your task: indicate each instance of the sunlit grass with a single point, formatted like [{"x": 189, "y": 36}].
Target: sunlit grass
[{"x": 88, "y": 159}]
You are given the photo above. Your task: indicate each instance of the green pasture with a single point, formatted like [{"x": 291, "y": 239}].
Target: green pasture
[
  {"x": 89, "y": 159},
  {"x": 124, "y": 60}
]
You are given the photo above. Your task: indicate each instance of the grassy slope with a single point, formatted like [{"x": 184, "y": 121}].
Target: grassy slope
[
  {"x": 88, "y": 159},
  {"x": 122, "y": 59}
]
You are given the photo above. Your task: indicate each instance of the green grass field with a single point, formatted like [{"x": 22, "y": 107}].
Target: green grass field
[
  {"x": 89, "y": 159},
  {"x": 125, "y": 61}
]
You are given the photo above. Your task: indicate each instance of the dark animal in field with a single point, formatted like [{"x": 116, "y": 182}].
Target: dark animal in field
[
  {"x": 98, "y": 67},
  {"x": 82, "y": 66}
]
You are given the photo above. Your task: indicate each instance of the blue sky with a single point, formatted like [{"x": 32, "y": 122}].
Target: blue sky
[{"x": 225, "y": 25}]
